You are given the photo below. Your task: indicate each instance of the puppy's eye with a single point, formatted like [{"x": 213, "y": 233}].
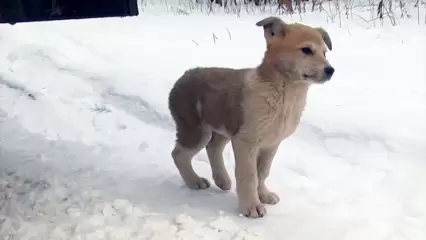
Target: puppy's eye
[{"x": 307, "y": 51}]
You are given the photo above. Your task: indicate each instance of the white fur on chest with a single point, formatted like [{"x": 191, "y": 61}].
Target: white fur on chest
[{"x": 270, "y": 115}]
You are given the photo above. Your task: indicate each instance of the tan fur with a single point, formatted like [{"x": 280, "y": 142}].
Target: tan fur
[{"x": 255, "y": 109}]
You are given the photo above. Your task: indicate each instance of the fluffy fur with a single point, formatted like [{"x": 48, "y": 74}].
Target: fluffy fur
[{"x": 254, "y": 109}]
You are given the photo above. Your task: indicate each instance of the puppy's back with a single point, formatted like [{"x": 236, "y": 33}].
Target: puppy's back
[{"x": 208, "y": 95}]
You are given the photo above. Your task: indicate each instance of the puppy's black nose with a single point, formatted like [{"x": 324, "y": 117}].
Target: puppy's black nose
[{"x": 329, "y": 71}]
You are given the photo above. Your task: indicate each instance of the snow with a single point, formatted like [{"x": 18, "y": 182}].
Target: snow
[{"x": 85, "y": 133}]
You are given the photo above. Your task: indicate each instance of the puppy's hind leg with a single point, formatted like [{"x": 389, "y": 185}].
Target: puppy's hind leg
[
  {"x": 215, "y": 153},
  {"x": 264, "y": 162},
  {"x": 188, "y": 144}
]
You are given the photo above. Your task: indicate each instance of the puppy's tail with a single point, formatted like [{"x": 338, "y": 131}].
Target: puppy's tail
[{"x": 182, "y": 104}]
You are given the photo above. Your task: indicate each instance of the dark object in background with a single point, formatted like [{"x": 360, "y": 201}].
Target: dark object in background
[{"x": 14, "y": 11}]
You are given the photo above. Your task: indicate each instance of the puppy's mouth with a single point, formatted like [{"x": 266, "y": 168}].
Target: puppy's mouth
[
  {"x": 314, "y": 78},
  {"x": 306, "y": 76}
]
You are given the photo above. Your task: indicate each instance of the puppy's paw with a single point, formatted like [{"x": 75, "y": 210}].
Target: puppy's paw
[
  {"x": 269, "y": 198},
  {"x": 200, "y": 183},
  {"x": 223, "y": 182},
  {"x": 257, "y": 210}
]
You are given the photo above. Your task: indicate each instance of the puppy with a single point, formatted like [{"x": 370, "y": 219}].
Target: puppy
[{"x": 254, "y": 109}]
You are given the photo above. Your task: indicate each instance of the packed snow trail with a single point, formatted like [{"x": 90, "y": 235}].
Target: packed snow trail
[{"x": 85, "y": 134}]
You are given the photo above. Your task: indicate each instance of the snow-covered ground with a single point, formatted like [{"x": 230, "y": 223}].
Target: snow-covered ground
[{"x": 85, "y": 133}]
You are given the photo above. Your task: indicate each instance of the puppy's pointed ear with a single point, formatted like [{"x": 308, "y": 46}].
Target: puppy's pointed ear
[
  {"x": 272, "y": 27},
  {"x": 325, "y": 37}
]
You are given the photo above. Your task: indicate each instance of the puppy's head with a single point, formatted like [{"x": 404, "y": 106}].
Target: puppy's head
[{"x": 297, "y": 50}]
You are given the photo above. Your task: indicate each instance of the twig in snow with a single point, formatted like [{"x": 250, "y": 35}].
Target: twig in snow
[
  {"x": 229, "y": 33},
  {"x": 214, "y": 38}
]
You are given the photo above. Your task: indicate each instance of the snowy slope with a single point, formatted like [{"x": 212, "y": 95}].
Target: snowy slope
[{"x": 85, "y": 134}]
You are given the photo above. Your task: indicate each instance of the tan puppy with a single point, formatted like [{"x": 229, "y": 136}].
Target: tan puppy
[{"x": 255, "y": 109}]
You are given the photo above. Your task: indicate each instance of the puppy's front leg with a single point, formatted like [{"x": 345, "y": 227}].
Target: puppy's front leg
[
  {"x": 246, "y": 179},
  {"x": 264, "y": 162}
]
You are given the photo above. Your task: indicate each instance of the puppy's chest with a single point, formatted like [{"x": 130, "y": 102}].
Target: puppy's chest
[{"x": 279, "y": 119}]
